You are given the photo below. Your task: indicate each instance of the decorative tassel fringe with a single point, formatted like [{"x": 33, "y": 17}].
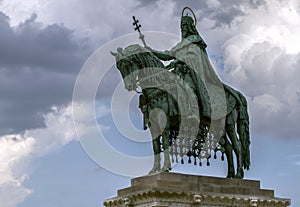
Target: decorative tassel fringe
[{"x": 194, "y": 148}]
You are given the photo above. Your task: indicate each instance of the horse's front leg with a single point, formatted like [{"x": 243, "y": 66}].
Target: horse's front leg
[
  {"x": 166, "y": 144},
  {"x": 163, "y": 124},
  {"x": 156, "y": 148}
]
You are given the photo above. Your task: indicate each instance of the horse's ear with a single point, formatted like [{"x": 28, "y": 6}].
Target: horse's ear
[
  {"x": 113, "y": 53},
  {"x": 120, "y": 50}
]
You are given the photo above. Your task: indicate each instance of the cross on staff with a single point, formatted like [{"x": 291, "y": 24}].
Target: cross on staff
[{"x": 137, "y": 28}]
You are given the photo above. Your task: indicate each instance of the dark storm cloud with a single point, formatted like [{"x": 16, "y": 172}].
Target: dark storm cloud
[
  {"x": 30, "y": 44},
  {"x": 38, "y": 69},
  {"x": 298, "y": 95},
  {"x": 147, "y": 2},
  {"x": 257, "y": 3},
  {"x": 27, "y": 95},
  {"x": 223, "y": 14}
]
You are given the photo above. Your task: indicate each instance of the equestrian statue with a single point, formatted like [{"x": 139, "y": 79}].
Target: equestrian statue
[{"x": 188, "y": 109}]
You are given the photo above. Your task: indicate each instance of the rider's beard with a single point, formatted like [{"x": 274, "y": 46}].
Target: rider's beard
[{"x": 184, "y": 33}]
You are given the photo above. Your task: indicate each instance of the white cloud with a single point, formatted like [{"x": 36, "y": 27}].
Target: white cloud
[
  {"x": 213, "y": 3},
  {"x": 262, "y": 59},
  {"x": 14, "y": 151},
  {"x": 18, "y": 150},
  {"x": 100, "y": 21}
]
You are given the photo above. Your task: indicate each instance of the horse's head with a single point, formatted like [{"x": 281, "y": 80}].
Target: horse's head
[
  {"x": 133, "y": 59},
  {"x": 128, "y": 65}
]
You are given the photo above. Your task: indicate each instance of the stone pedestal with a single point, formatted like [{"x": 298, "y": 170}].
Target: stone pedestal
[{"x": 181, "y": 190}]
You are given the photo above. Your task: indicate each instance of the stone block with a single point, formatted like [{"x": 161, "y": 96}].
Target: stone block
[{"x": 183, "y": 190}]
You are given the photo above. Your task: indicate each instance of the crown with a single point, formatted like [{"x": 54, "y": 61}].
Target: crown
[{"x": 187, "y": 17}]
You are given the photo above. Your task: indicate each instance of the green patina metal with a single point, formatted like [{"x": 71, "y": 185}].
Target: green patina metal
[{"x": 218, "y": 116}]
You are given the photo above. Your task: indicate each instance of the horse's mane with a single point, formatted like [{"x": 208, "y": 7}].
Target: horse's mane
[
  {"x": 134, "y": 49},
  {"x": 137, "y": 52}
]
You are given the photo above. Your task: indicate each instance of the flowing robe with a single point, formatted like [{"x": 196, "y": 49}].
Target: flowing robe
[{"x": 201, "y": 76}]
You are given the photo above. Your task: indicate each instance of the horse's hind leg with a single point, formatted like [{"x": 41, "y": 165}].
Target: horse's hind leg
[
  {"x": 236, "y": 144},
  {"x": 229, "y": 156}
]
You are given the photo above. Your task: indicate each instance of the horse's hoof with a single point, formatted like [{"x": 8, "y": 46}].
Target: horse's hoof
[
  {"x": 151, "y": 172},
  {"x": 230, "y": 175},
  {"x": 239, "y": 175},
  {"x": 166, "y": 169},
  {"x": 154, "y": 170}
]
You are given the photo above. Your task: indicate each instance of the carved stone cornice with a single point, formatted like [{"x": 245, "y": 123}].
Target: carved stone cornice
[{"x": 173, "y": 189}]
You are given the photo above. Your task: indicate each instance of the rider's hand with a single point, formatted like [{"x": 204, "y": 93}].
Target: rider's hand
[{"x": 171, "y": 65}]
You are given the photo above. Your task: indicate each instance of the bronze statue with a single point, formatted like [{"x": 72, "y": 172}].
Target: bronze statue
[{"x": 217, "y": 114}]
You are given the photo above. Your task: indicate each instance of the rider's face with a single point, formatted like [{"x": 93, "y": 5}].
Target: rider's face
[{"x": 184, "y": 29}]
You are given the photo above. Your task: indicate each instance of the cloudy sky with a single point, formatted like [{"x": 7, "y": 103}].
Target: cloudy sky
[{"x": 253, "y": 44}]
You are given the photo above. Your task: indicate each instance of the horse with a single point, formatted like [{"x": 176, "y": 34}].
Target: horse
[{"x": 155, "y": 81}]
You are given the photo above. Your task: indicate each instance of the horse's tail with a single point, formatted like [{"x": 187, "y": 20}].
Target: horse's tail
[{"x": 243, "y": 130}]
